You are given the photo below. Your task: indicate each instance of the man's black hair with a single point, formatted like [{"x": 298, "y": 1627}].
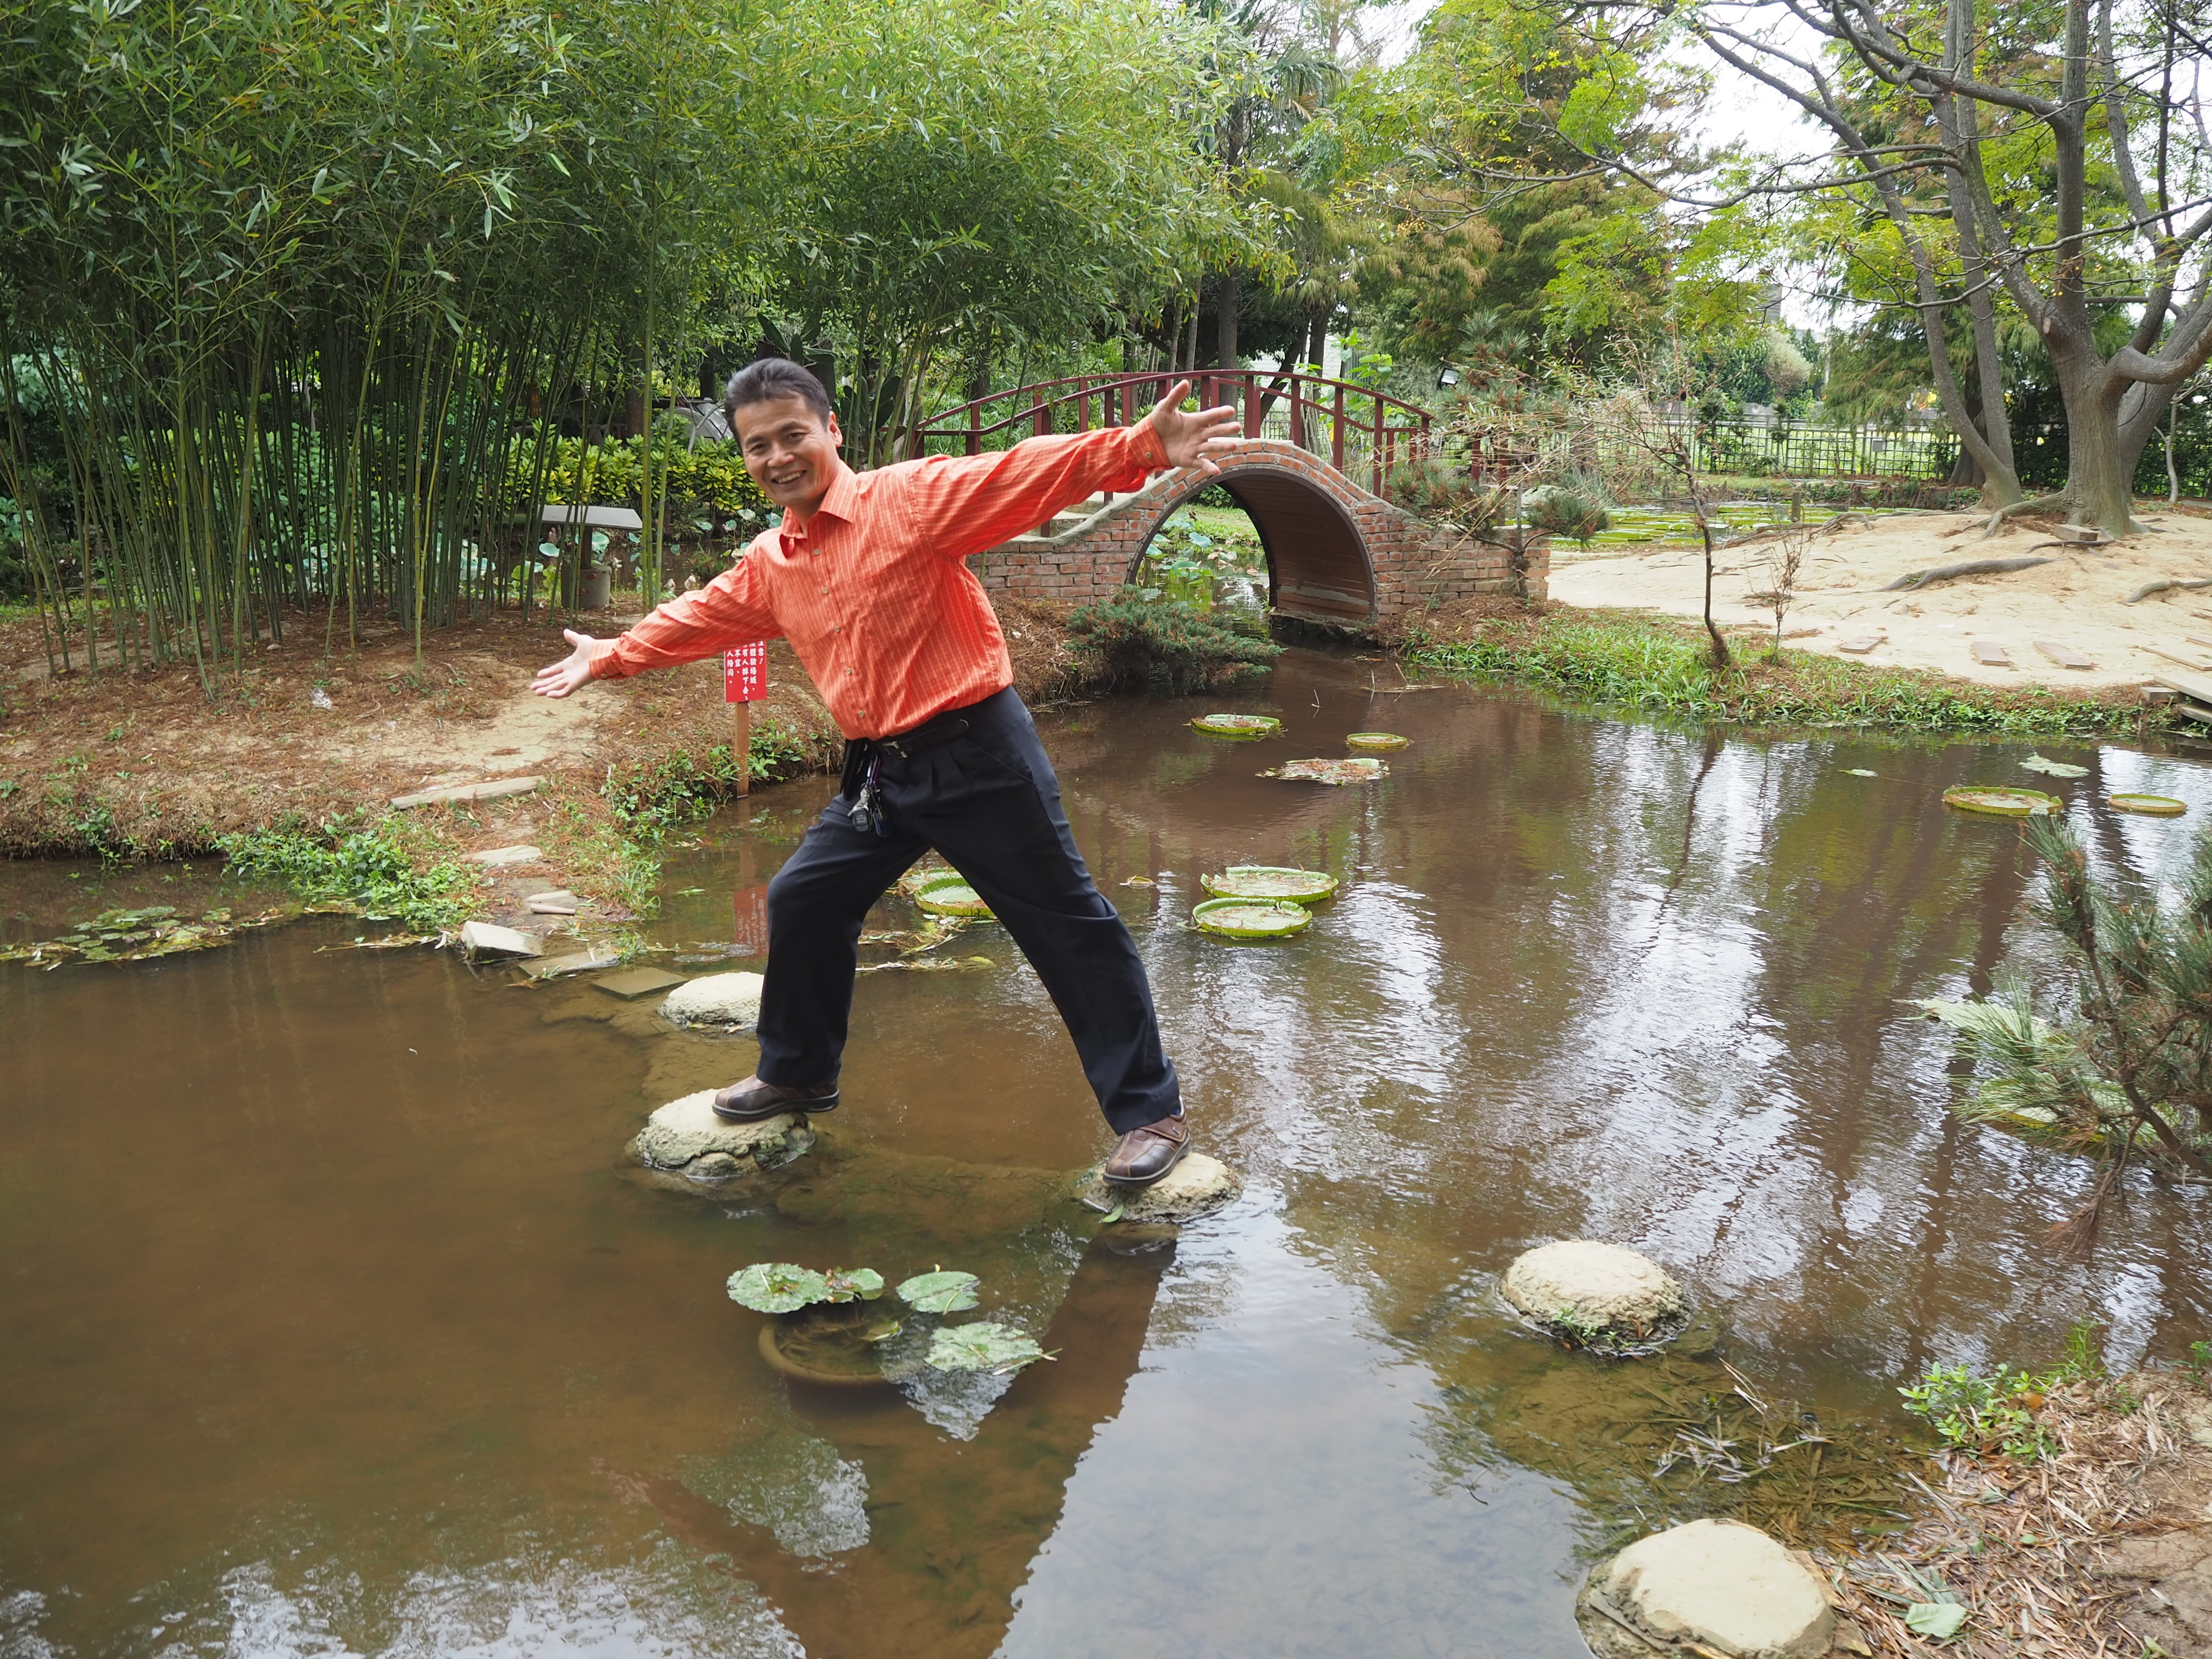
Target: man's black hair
[{"x": 769, "y": 378}]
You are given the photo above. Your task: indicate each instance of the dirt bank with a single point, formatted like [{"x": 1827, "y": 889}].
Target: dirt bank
[
  {"x": 2078, "y": 600},
  {"x": 151, "y": 762}
]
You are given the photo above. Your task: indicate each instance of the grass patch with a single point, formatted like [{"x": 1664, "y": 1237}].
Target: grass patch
[
  {"x": 386, "y": 871},
  {"x": 1127, "y": 644},
  {"x": 653, "y": 797},
  {"x": 1660, "y": 668}
]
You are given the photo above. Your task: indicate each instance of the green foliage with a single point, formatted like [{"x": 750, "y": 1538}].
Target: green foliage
[
  {"x": 710, "y": 479},
  {"x": 777, "y": 1287},
  {"x": 1660, "y": 671},
  {"x": 2200, "y": 1363},
  {"x": 1167, "y": 647},
  {"x": 853, "y": 1284},
  {"x": 375, "y": 870},
  {"x": 1564, "y": 509},
  {"x": 1981, "y": 1413},
  {"x": 652, "y": 798},
  {"x": 1434, "y": 487}
]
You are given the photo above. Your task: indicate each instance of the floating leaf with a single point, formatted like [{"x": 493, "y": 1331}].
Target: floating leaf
[
  {"x": 853, "y": 1284},
  {"x": 1119, "y": 1210},
  {"x": 883, "y": 1330},
  {"x": 1251, "y": 919},
  {"x": 1860, "y": 772},
  {"x": 777, "y": 1287},
  {"x": 2053, "y": 768},
  {"x": 1270, "y": 881},
  {"x": 2155, "y": 807},
  {"x": 1243, "y": 727},
  {"x": 2003, "y": 803},
  {"x": 983, "y": 1347},
  {"x": 1371, "y": 740},
  {"x": 1356, "y": 769},
  {"x": 943, "y": 1291},
  {"x": 946, "y": 893},
  {"x": 1940, "y": 1619}
]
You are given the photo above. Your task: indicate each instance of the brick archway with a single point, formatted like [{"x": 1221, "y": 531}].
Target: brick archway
[{"x": 1336, "y": 554}]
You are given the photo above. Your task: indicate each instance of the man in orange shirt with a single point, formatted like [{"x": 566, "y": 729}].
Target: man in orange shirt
[{"x": 866, "y": 577}]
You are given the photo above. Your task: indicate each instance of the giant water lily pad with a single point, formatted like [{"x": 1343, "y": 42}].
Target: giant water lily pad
[
  {"x": 1251, "y": 919},
  {"x": 1270, "y": 881},
  {"x": 943, "y": 1291},
  {"x": 777, "y": 1287},
  {"x": 2051, "y": 769},
  {"x": 1356, "y": 769},
  {"x": 156, "y": 930},
  {"x": 2152, "y": 806},
  {"x": 2003, "y": 803},
  {"x": 946, "y": 893},
  {"x": 1242, "y": 727},
  {"x": 984, "y": 1346},
  {"x": 1375, "y": 740},
  {"x": 832, "y": 1347}
]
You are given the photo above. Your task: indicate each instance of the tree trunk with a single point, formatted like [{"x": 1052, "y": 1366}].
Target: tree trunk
[
  {"x": 2100, "y": 467},
  {"x": 1226, "y": 307}
]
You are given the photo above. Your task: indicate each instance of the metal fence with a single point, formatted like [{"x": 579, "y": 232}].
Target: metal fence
[{"x": 1790, "y": 451}]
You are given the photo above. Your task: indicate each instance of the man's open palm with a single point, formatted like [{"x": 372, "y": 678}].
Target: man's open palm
[{"x": 1192, "y": 439}]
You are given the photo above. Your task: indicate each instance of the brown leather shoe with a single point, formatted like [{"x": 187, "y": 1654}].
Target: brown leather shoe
[
  {"x": 753, "y": 1100},
  {"x": 1145, "y": 1154}
]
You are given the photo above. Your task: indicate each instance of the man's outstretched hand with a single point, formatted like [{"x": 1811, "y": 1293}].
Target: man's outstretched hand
[
  {"x": 1192, "y": 439},
  {"x": 558, "y": 679}
]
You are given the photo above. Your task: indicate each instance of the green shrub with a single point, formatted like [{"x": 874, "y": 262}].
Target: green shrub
[
  {"x": 1435, "y": 488},
  {"x": 1565, "y": 509},
  {"x": 1167, "y": 647},
  {"x": 371, "y": 871},
  {"x": 652, "y": 798},
  {"x": 1980, "y": 1414},
  {"x": 710, "y": 480}
]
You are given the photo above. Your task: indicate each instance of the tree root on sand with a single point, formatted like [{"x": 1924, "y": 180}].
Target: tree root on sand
[{"x": 1914, "y": 579}]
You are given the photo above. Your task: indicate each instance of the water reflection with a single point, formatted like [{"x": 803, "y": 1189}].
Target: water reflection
[{"x": 334, "y": 1326}]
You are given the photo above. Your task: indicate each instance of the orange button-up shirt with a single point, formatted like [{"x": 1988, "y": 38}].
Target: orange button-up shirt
[{"x": 873, "y": 592}]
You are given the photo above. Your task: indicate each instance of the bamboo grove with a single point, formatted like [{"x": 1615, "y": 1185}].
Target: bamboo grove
[{"x": 296, "y": 295}]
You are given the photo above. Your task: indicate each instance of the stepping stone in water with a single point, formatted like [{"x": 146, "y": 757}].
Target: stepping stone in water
[
  {"x": 723, "y": 1000},
  {"x": 1724, "y": 1586},
  {"x": 559, "y": 902},
  {"x": 685, "y": 1135},
  {"x": 1990, "y": 654},
  {"x": 2064, "y": 655},
  {"x": 484, "y": 939},
  {"x": 582, "y": 962},
  {"x": 1596, "y": 1295},
  {"x": 498, "y": 858},
  {"x": 497, "y": 789},
  {"x": 1197, "y": 1186},
  {"x": 634, "y": 982}
]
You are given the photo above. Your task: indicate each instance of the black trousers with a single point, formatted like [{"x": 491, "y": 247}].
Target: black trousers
[{"x": 988, "y": 800}]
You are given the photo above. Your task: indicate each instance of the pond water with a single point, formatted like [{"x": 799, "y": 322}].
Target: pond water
[{"x": 334, "y": 1324}]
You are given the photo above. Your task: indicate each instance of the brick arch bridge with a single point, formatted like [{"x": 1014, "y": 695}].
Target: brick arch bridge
[{"x": 1338, "y": 553}]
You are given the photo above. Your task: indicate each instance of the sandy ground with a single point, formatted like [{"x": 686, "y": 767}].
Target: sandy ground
[{"x": 2078, "y": 600}]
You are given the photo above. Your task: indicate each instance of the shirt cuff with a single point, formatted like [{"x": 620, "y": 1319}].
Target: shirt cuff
[
  {"x": 606, "y": 660},
  {"x": 1146, "y": 449}
]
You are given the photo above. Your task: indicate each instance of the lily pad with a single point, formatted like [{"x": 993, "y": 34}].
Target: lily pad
[
  {"x": 1251, "y": 918},
  {"x": 1941, "y": 1619},
  {"x": 2003, "y": 803},
  {"x": 777, "y": 1287},
  {"x": 984, "y": 1346},
  {"x": 1375, "y": 740},
  {"x": 853, "y": 1284},
  {"x": 946, "y": 893},
  {"x": 1357, "y": 770},
  {"x": 2053, "y": 768},
  {"x": 943, "y": 1291},
  {"x": 1242, "y": 728},
  {"x": 1270, "y": 881},
  {"x": 2153, "y": 806}
]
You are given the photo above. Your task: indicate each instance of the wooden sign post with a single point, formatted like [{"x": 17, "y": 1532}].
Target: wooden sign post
[{"x": 745, "y": 683}]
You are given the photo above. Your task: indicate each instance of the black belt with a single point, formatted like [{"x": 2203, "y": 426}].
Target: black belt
[{"x": 859, "y": 783}]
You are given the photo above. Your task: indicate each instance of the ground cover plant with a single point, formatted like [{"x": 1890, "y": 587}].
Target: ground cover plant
[{"x": 377, "y": 871}]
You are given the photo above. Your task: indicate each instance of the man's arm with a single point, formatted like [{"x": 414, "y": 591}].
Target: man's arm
[
  {"x": 966, "y": 504},
  {"x": 731, "y": 610}
]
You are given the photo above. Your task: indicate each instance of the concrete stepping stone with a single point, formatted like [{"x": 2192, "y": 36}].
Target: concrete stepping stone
[
  {"x": 1196, "y": 1187},
  {"x": 486, "y": 938},
  {"x": 1859, "y": 646},
  {"x": 1715, "y": 1586},
  {"x": 559, "y": 902},
  {"x": 634, "y": 982},
  {"x": 2064, "y": 655},
  {"x": 1596, "y": 1295},
  {"x": 728, "y": 1001},
  {"x": 499, "y": 858},
  {"x": 1990, "y": 654},
  {"x": 493, "y": 789},
  {"x": 581, "y": 962},
  {"x": 686, "y": 1137}
]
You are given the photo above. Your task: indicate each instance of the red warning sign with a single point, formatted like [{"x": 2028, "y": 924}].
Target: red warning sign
[{"x": 744, "y": 673}]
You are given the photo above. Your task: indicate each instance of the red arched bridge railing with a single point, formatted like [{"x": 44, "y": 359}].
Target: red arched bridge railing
[{"x": 1362, "y": 434}]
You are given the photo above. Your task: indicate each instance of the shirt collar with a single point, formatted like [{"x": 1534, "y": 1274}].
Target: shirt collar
[{"x": 841, "y": 501}]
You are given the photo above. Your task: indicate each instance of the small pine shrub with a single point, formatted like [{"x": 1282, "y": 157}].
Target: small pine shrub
[{"x": 1165, "y": 647}]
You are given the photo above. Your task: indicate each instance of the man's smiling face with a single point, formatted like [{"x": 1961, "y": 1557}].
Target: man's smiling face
[{"x": 791, "y": 452}]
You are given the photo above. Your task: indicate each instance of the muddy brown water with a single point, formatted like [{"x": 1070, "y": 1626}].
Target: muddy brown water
[{"x": 330, "y": 1322}]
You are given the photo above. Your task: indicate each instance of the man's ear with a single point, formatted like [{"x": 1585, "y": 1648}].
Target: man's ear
[{"x": 830, "y": 425}]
